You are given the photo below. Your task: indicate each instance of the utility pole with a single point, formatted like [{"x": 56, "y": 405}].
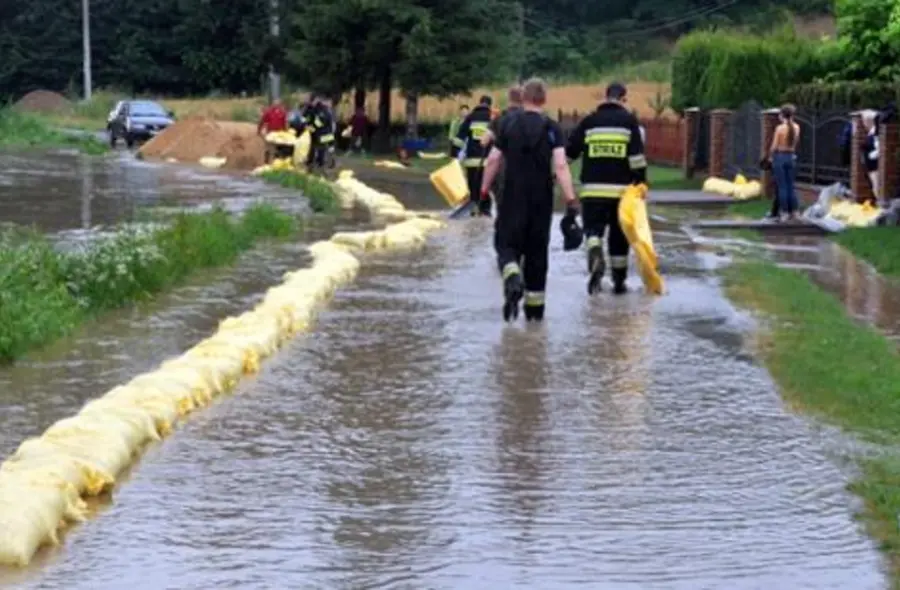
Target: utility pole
[
  {"x": 86, "y": 40},
  {"x": 275, "y": 31},
  {"x": 522, "y": 44}
]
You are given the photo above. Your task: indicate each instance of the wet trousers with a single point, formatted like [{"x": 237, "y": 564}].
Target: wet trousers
[
  {"x": 474, "y": 176},
  {"x": 522, "y": 240},
  {"x": 599, "y": 215}
]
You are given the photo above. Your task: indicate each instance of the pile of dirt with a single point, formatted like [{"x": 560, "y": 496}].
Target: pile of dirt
[
  {"x": 193, "y": 138},
  {"x": 43, "y": 101}
]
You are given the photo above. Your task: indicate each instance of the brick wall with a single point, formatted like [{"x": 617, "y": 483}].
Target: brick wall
[
  {"x": 889, "y": 144},
  {"x": 718, "y": 136}
]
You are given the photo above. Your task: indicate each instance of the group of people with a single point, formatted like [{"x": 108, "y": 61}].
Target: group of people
[
  {"x": 316, "y": 115},
  {"x": 529, "y": 153}
]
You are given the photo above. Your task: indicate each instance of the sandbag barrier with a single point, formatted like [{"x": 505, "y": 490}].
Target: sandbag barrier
[{"x": 43, "y": 484}]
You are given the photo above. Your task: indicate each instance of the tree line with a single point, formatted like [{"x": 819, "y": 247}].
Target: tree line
[{"x": 425, "y": 47}]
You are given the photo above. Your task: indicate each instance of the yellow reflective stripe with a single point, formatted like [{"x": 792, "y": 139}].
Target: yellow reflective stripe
[
  {"x": 457, "y": 142},
  {"x": 618, "y": 132},
  {"x": 618, "y": 261},
  {"x": 593, "y": 242},
  {"x": 534, "y": 298},
  {"x": 326, "y": 138},
  {"x": 606, "y": 137},
  {"x": 510, "y": 269},
  {"x": 637, "y": 162},
  {"x": 473, "y": 162},
  {"x": 478, "y": 125},
  {"x": 593, "y": 195},
  {"x": 612, "y": 191}
]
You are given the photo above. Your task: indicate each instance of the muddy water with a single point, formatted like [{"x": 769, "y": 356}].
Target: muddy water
[
  {"x": 62, "y": 192},
  {"x": 414, "y": 441}
]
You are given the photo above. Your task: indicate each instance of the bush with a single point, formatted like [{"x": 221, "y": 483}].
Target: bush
[
  {"x": 319, "y": 193},
  {"x": 846, "y": 96},
  {"x": 26, "y": 130},
  {"x": 718, "y": 69},
  {"x": 45, "y": 293}
]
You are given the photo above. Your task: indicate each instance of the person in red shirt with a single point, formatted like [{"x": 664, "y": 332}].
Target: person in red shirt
[
  {"x": 359, "y": 125},
  {"x": 273, "y": 118}
]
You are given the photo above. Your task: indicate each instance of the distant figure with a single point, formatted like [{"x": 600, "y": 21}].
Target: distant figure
[
  {"x": 274, "y": 118},
  {"x": 456, "y": 145},
  {"x": 359, "y": 125},
  {"x": 783, "y": 155},
  {"x": 871, "y": 152}
]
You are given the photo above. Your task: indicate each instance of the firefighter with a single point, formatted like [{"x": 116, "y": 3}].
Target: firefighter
[
  {"x": 612, "y": 151},
  {"x": 468, "y": 138},
  {"x": 531, "y": 145},
  {"x": 514, "y": 99},
  {"x": 321, "y": 124}
]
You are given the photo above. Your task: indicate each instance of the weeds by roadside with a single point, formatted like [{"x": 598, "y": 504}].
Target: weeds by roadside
[
  {"x": 45, "y": 293},
  {"x": 876, "y": 245},
  {"x": 839, "y": 369},
  {"x": 321, "y": 195},
  {"x": 26, "y": 130}
]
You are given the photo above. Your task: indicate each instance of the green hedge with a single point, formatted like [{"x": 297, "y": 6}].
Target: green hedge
[
  {"x": 718, "y": 69},
  {"x": 850, "y": 96}
]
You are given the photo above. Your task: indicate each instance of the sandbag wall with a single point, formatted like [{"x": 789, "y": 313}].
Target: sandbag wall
[{"x": 43, "y": 484}]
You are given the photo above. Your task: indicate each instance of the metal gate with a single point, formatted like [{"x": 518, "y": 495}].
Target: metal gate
[
  {"x": 743, "y": 141},
  {"x": 820, "y": 160}
]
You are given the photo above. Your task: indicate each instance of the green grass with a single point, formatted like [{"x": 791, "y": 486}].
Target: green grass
[
  {"x": 838, "y": 369},
  {"x": 45, "y": 293},
  {"x": 752, "y": 209},
  {"x": 879, "y": 246},
  {"x": 21, "y": 130},
  {"x": 320, "y": 193}
]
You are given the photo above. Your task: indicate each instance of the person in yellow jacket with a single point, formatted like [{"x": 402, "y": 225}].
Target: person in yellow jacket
[{"x": 454, "y": 129}]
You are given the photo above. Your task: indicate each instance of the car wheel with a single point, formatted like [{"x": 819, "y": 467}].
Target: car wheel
[
  {"x": 129, "y": 141},
  {"x": 112, "y": 137}
]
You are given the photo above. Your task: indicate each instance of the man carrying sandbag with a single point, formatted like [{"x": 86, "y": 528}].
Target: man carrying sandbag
[
  {"x": 612, "y": 150},
  {"x": 531, "y": 146},
  {"x": 473, "y": 128}
]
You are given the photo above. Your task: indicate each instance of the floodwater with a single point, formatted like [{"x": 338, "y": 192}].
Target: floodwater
[{"x": 415, "y": 441}]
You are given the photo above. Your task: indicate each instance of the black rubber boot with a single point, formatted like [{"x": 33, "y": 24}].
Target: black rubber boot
[
  {"x": 513, "y": 290},
  {"x": 534, "y": 313},
  {"x": 619, "y": 286},
  {"x": 596, "y": 268}
]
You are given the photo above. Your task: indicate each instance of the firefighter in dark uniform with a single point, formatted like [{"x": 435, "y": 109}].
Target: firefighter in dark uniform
[
  {"x": 320, "y": 122},
  {"x": 514, "y": 98},
  {"x": 612, "y": 151},
  {"x": 473, "y": 128},
  {"x": 531, "y": 145}
]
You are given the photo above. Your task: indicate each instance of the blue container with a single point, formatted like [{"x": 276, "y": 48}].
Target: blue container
[{"x": 416, "y": 145}]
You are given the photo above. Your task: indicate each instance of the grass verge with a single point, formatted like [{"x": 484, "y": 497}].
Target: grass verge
[
  {"x": 45, "y": 293},
  {"x": 19, "y": 130},
  {"x": 876, "y": 245},
  {"x": 752, "y": 209},
  {"x": 320, "y": 193},
  {"x": 843, "y": 371}
]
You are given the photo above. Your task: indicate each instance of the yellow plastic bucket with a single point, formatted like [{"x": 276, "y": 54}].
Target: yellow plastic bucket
[
  {"x": 450, "y": 181},
  {"x": 636, "y": 227}
]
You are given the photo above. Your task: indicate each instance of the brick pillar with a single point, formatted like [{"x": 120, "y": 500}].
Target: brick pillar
[
  {"x": 691, "y": 119},
  {"x": 718, "y": 135},
  {"x": 769, "y": 121},
  {"x": 859, "y": 182},
  {"x": 889, "y": 144}
]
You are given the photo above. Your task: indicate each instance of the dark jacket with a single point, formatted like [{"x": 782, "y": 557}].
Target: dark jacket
[
  {"x": 612, "y": 151},
  {"x": 470, "y": 133}
]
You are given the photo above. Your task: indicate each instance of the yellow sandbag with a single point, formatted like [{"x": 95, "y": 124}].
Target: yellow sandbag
[
  {"x": 854, "y": 214},
  {"x": 450, "y": 182},
  {"x": 139, "y": 417},
  {"x": 748, "y": 190},
  {"x": 95, "y": 425},
  {"x": 53, "y": 470},
  {"x": 636, "y": 227},
  {"x": 29, "y": 518},
  {"x": 180, "y": 393},
  {"x": 347, "y": 132},
  {"x": 212, "y": 162},
  {"x": 740, "y": 179},
  {"x": 301, "y": 149},
  {"x": 106, "y": 457},
  {"x": 212, "y": 347},
  {"x": 286, "y": 137},
  {"x": 164, "y": 409},
  {"x": 718, "y": 186},
  {"x": 388, "y": 164},
  {"x": 432, "y": 155}
]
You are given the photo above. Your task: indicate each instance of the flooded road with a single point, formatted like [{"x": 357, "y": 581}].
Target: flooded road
[
  {"x": 60, "y": 192},
  {"x": 415, "y": 441}
]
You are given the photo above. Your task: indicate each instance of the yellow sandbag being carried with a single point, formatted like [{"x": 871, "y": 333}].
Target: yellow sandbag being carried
[
  {"x": 286, "y": 137},
  {"x": 301, "y": 148},
  {"x": 636, "y": 227},
  {"x": 450, "y": 181}
]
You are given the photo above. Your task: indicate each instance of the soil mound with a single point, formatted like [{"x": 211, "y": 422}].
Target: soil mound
[
  {"x": 193, "y": 138},
  {"x": 43, "y": 101}
]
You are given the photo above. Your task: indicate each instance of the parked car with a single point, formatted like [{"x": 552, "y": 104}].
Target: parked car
[{"x": 137, "y": 120}]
